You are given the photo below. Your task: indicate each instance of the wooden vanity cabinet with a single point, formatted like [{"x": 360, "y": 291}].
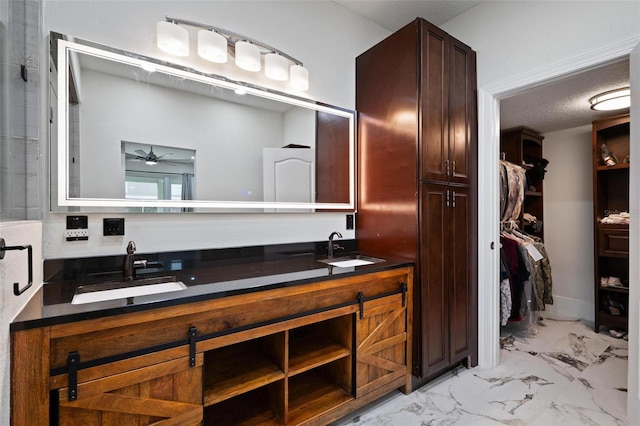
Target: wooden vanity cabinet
[{"x": 306, "y": 354}]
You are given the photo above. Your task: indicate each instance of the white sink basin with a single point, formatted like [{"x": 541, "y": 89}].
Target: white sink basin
[
  {"x": 351, "y": 261},
  {"x": 124, "y": 290}
]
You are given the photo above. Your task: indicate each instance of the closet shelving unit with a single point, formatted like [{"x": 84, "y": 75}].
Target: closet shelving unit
[
  {"x": 519, "y": 144},
  {"x": 611, "y": 241}
]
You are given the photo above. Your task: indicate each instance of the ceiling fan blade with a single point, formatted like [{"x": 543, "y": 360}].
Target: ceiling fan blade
[
  {"x": 141, "y": 152},
  {"x": 178, "y": 161}
]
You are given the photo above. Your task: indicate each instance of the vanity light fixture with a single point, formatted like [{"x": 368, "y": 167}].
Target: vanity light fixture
[
  {"x": 216, "y": 44},
  {"x": 611, "y": 100}
]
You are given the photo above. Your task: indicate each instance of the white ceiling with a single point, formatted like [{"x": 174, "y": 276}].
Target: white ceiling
[{"x": 558, "y": 105}]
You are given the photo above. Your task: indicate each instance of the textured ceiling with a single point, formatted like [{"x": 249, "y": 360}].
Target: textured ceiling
[
  {"x": 564, "y": 103},
  {"x": 559, "y": 105}
]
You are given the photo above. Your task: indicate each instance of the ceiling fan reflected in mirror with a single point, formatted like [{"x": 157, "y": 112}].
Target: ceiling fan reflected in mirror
[{"x": 151, "y": 158}]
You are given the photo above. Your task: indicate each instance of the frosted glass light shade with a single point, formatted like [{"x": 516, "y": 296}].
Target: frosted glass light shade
[
  {"x": 299, "y": 77},
  {"x": 611, "y": 100},
  {"x": 212, "y": 46},
  {"x": 276, "y": 67},
  {"x": 247, "y": 56},
  {"x": 172, "y": 38}
]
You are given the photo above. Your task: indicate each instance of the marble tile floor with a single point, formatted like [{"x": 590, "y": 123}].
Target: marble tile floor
[{"x": 551, "y": 373}]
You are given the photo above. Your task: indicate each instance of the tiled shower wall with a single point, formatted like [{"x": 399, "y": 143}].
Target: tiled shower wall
[{"x": 20, "y": 149}]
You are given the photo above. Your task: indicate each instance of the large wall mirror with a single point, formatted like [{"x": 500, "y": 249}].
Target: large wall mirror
[{"x": 135, "y": 134}]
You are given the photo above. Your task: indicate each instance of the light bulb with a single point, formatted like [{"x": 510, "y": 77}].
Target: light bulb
[
  {"x": 276, "y": 67},
  {"x": 299, "y": 78},
  {"x": 212, "y": 46},
  {"x": 247, "y": 56},
  {"x": 172, "y": 38}
]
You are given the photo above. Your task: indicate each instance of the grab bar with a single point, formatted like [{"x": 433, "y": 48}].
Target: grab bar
[{"x": 16, "y": 286}]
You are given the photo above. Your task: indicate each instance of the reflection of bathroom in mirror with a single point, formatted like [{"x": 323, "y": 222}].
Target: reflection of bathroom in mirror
[
  {"x": 153, "y": 172},
  {"x": 119, "y": 109}
]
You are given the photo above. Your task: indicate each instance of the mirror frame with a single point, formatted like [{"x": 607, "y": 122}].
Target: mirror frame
[{"x": 66, "y": 47}]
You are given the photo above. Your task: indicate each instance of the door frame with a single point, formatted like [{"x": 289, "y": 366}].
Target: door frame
[{"x": 489, "y": 97}]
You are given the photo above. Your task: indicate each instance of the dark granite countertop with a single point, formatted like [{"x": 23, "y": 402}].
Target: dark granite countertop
[{"x": 207, "y": 274}]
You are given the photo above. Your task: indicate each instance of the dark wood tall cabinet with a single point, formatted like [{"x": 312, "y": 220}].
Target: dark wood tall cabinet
[{"x": 417, "y": 195}]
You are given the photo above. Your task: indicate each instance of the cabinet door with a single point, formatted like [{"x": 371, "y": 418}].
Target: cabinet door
[
  {"x": 434, "y": 100},
  {"x": 461, "y": 300},
  {"x": 462, "y": 130},
  {"x": 381, "y": 349},
  {"x": 168, "y": 393},
  {"x": 434, "y": 299}
]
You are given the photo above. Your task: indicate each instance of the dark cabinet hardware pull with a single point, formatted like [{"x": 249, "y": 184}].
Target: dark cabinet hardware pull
[
  {"x": 73, "y": 360},
  {"x": 193, "y": 332},
  {"x": 361, "y": 303},
  {"x": 16, "y": 286},
  {"x": 404, "y": 289}
]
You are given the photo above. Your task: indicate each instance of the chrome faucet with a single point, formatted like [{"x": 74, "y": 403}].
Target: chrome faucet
[
  {"x": 332, "y": 246},
  {"x": 128, "y": 261}
]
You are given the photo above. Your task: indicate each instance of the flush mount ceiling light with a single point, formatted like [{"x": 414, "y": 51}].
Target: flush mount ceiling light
[
  {"x": 214, "y": 44},
  {"x": 611, "y": 100}
]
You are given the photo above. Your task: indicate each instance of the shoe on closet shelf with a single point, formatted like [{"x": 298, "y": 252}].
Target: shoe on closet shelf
[
  {"x": 614, "y": 282},
  {"x": 604, "y": 282},
  {"x": 617, "y": 334}
]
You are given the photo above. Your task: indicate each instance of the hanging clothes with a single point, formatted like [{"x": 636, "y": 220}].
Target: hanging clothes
[{"x": 513, "y": 181}]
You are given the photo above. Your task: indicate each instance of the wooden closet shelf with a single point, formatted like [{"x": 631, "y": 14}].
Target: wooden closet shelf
[
  {"x": 614, "y": 167},
  {"x": 624, "y": 290}
]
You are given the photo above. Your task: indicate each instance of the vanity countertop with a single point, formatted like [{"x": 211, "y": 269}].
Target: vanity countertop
[{"x": 206, "y": 277}]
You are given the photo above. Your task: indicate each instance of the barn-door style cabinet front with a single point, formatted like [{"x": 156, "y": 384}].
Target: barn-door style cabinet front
[
  {"x": 306, "y": 354},
  {"x": 167, "y": 393},
  {"x": 417, "y": 145}
]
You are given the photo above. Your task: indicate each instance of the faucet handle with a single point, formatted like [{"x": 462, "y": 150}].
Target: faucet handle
[{"x": 334, "y": 234}]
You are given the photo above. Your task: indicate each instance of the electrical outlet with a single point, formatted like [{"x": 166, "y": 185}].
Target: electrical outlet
[
  {"x": 113, "y": 226},
  {"x": 76, "y": 234},
  {"x": 77, "y": 228},
  {"x": 349, "y": 221}
]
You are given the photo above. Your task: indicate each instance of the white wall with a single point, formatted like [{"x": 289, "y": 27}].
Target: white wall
[
  {"x": 13, "y": 268},
  {"x": 326, "y": 37},
  {"x": 518, "y": 37},
  {"x": 568, "y": 224}
]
